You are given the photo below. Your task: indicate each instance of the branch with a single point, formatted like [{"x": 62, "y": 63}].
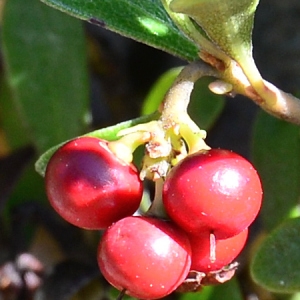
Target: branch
[
  {"x": 271, "y": 99},
  {"x": 177, "y": 98}
]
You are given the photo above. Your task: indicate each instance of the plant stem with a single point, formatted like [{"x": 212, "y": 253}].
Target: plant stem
[
  {"x": 174, "y": 115},
  {"x": 178, "y": 96},
  {"x": 286, "y": 107},
  {"x": 273, "y": 100}
]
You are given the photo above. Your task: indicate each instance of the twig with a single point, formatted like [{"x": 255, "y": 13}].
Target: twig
[{"x": 271, "y": 99}]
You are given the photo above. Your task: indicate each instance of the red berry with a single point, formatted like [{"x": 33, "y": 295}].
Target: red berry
[
  {"x": 148, "y": 257},
  {"x": 225, "y": 251},
  {"x": 217, "y": 191},
  {"x": 89, "y": 186}
]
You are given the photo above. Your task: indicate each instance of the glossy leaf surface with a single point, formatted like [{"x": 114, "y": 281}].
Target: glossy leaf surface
[
  {"x": 108, "y": 133},
  {"x": 276, "y": 263},
  {"x": 144, "y": 20},
  {"x": 227, "y": 23},
  {"x": 45, "y": 55},
  {"x": 275, "y": 152}
]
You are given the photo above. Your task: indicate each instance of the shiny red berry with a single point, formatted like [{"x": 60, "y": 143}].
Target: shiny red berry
[
  {"x": 89, "y": 186},
  {"x": 208, "y": 255},
  {"x": 216, "y": 191},
  {"x": 148, "y": 257}
]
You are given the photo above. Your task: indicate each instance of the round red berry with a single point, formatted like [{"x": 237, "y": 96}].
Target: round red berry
[
  {"x": 216, "y": 191},
  {"x": 89, "y": 186},
  {"x": 148, "y": 257},
  {"x": 207, "y": 257}
]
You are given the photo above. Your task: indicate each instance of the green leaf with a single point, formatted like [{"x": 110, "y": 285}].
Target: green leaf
[
  {"x": 227, "y": 23},
  {"x": 229, "y": 290},
  {"x": 29, "y": 188},
  {"x": 205, "y": 107},
  {"x": 158, "y": 90},
  {"x": 275, "y": 152},
  {"x": 108, "y": 133},
  {"x": 204, "y": 294},
  {"x": 143, "y": 20},
  {"x": 276, "y": 264},
  {"x": 45, "y": 56},
  {"x": 15, "y": 132},
  {"x": 296, "y": 296}
]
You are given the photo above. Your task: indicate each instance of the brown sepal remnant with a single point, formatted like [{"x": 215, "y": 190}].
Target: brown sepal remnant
[
  {"x": 197, "y": 280},
  {"x": 213, "y": 61}
]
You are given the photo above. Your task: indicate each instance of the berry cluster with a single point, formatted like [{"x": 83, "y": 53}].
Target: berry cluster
[{"x": 210, "y": 197}]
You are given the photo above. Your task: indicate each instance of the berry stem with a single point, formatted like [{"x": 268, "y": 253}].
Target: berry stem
[
  {"x": 174, "y": 116},
  {"x": 127, "y": 144},
  {"x": 178, "y": 97}
]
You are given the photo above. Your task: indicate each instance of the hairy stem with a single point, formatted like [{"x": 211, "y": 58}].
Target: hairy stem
[
  {"x": 178, "y": 97},
  {"x": 273, "y": 100},
  {"x": 285, "y": 106},
  {"x": 174, "y": 116}
]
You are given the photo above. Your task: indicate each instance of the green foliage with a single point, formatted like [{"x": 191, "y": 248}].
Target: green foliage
[
  {"x": 142, "y": 20},
  {"x": 44, "y": 99},
  {"x": 227, "y": 23},
  {"x": 108, "y": 133},
  {"x": 276, "y": 263},
  {"x": 158, "y": 90},
  {"x": 229, "y": 290},
  {"x": 45, "y": 55},
  {"x": 276, "y": 148},
  {"x": 11, "y": 122},
  {"x": 205, "y": 107},
  {"x": 275, "y": 152}
]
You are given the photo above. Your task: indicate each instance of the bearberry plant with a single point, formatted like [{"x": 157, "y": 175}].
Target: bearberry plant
[{"x": 170, "y": 214}]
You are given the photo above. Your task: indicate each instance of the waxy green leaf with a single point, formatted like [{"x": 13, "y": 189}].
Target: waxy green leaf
[
  {"x": 228, "y": 23},
  {"x": 276, "y": 263},
  {"x": 45, "y": 56},
  {"x": 108, "y": 133},
  {"x": 158, "y": 90},
  {"x": 143, "y": 20},
  {"x": 15, "y": 132},
  {"x": 205, "y": 106},
  {"x": 275, "y": 153}
]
